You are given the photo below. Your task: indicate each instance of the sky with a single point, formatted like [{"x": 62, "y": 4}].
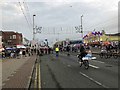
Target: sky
[{"x": 58, "y": 18}]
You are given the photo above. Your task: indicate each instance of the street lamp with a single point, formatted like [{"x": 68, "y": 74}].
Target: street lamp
[
  {"x": 81, "y": 26},
  {"x": 33, "y": 28}
]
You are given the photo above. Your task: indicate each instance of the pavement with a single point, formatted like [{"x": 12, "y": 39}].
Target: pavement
[{"x": 16, "y": 73}]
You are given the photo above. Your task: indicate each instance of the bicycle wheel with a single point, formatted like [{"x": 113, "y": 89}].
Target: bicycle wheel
[
  {"x": 80, "y": 63},
  {"x": 86, "y": 64},
  {"x": 106, "y": 56},
  {"x": 101, "y": 55},
  {"x": 115, "y": 56},
  {"x": 110, "y": 55}
]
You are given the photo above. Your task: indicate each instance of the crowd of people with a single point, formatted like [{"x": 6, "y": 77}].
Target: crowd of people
[
  {"x": 24, "y": 52},
  {"x": 28, "y": 51},
  {"x": 106, "y": 47},
  {"x": 15, "y": 53}
]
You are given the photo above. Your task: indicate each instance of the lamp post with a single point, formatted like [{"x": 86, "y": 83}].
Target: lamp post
[
  {"x": 81, "y": 26},
  {"x": 33, "y": 28}
]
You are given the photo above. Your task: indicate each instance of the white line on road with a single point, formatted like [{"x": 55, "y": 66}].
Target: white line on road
[
  {"x": 98, "y": 61},
  {"x": 93, "y": 66},
  {"x": 69, "y": 65},
  {"x": 93, "y": 80}
]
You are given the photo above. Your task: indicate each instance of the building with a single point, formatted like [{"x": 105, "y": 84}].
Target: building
[
  {"x": 26, "y": 42},
  {"x": 96, "y": 38},
  {"x": 66, "y": 43},
  {"x": 10, "y": 38}
]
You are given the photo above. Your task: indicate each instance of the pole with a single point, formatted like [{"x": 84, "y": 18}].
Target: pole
[
  {"x": 81, "y": 26},
  {"x": 33, "y": 28}
]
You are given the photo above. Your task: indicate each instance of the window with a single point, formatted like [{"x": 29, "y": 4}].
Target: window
[
  {"x": 14, "y": 36},
  {"x": 10, "y": 37}
]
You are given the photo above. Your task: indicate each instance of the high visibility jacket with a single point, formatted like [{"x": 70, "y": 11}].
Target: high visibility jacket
[{"x": 57, "y": 49}]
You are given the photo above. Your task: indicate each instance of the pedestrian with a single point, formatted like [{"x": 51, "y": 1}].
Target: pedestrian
[
  {"x": 23, "y": 53},
  {"x": 68, "y": 49},
  {"x": 17, "y": 52},
  {"x": 12, "y": 54},
  {"x": 31, "y": 51},
  {"x": 20, "y": 53},
  {"x": 38, "y": 52},
  {"x": 27, "y": 51},
  {"x": 57, "y": 51},
  {"x": 49, "y": 50},
  {"x": 3, "y": 53}
]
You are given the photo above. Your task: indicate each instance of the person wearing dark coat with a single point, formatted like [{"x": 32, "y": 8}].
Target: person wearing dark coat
[{"x": 82, "y": 52}]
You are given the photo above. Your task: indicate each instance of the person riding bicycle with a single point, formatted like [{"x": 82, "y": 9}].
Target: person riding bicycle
[
  {"x": 103, "y": 49},
  {"x": 83, "y": 52}
]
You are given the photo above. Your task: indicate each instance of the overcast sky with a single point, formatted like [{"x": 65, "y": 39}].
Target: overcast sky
[{"x": 58, "y": 18}]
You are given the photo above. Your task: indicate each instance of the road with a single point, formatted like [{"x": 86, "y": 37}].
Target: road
[{"x": 64, "y": 72}]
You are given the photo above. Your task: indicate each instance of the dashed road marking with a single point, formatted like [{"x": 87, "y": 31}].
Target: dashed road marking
[
  {"x": 98, "y": 61},
  {"x": 93, "y": 66},
  {"x": 69, "y": 65},
  {"x": 93, "y": 80}
]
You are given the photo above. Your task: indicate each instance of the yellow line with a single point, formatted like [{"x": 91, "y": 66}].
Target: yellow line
[
  {"x": 35, "y": 82},
  {"x": 39, "y": 84}
]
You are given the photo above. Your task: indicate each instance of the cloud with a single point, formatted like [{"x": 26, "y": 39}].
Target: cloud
[{"x": 61, "y": 13}]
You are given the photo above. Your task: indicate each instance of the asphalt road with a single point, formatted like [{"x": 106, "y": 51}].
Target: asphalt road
[{"x": 64, "y": 72}]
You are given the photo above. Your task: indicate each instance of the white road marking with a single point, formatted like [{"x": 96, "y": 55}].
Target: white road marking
[
  {"x": 93, "y": 66},
  {"x": 93, "y": 80},
  {"x": 69, "y": 65},
  {"x": 98, "y": 61}
]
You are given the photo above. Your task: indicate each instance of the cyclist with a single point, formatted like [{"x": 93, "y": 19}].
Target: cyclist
[
  {"x": 83, "y": 52},
  {"x": 103, "y": 49}
]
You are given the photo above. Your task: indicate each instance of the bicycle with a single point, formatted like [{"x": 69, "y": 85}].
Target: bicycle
[
  {"x": 85, "y": 60},
  {"x": 113, "y": 54},
  {"x": 103, "y": 55}
]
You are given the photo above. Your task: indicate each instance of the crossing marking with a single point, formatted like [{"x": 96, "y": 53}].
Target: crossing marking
[
  {"x": 93, "y": 66},
  {"x": 93, "y": 80}
]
